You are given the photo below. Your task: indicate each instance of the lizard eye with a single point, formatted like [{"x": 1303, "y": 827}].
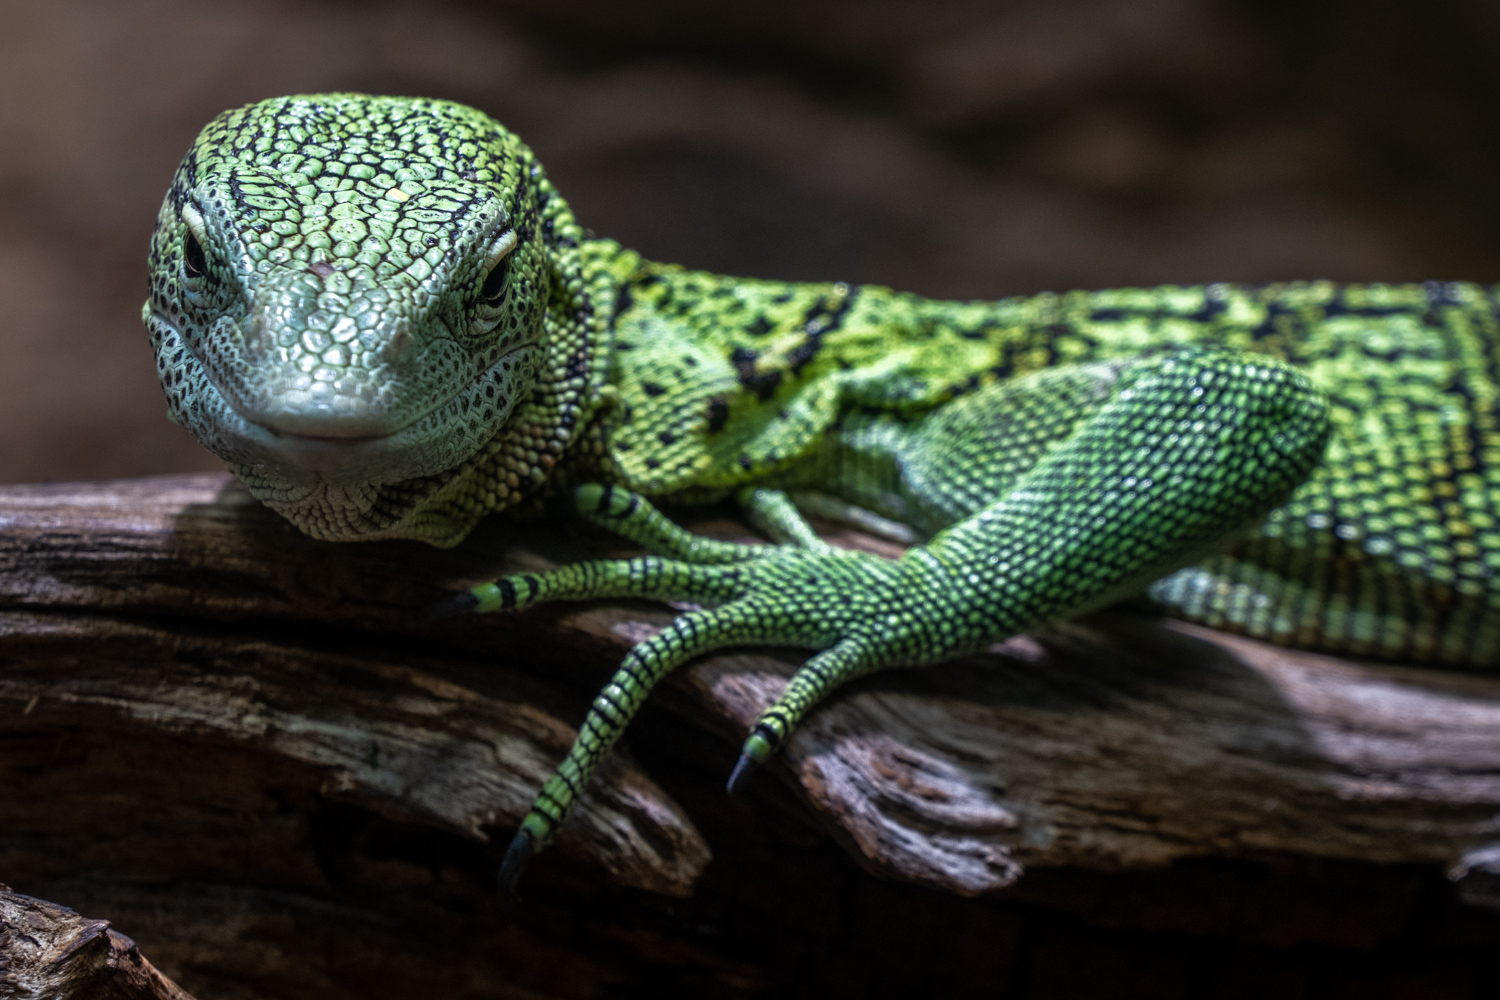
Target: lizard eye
[
  {"x": 194, "y": 264},
  {"x": 498, "y": 260},
  {"x": 494, "y": 282}
]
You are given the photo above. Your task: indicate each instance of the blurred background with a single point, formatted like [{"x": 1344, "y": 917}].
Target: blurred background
[{"x": 950, "y": 147}]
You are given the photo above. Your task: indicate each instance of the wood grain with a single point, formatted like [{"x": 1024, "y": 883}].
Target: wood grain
[
  {"x": 185, "y": 680},
  {"x": 1120, "y": 742},
  {"x": 47, "y": 950}
]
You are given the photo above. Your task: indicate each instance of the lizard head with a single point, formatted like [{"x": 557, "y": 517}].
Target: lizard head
[{"x": 349, "y": 299}]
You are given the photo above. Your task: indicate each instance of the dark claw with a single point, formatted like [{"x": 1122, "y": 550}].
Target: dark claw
[
  {"x": 761, "y": 744},
  {"x": 458, "y": 604},
  {"x": 743, "y": 768},
  {"x": 517, "y": 855}
]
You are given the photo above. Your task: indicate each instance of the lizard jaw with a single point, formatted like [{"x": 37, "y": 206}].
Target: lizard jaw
[
  {"x": 438, "y": 441},
  {"x": 441, "y": 439}
]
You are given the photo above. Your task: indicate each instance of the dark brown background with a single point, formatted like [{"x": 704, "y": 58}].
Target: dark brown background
[{"x": 954, "y": 148}]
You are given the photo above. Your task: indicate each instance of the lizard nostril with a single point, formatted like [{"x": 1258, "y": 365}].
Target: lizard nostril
[
  {"x": 401, "y": 346},
  {"x": 254, "y": 333}
]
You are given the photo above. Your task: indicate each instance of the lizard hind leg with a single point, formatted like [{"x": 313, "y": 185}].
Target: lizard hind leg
[
  {"x": 850, "y": 658},
  {"x": 650, "y": 577},
  {"x": 683, "y": 566},
  {"x": 632, "y": 516},
  {"x": 617, "y": 702},
  {"x": 773, "y": 512}
]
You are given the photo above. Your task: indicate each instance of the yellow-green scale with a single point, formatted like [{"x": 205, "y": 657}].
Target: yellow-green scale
[{"x": 1391, "y": 549}]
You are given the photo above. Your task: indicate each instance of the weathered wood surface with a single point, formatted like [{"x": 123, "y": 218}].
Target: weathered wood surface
[
  {"x": 178, "y": 609},
  {"x": 244, "y": 747},
  {"x": 47, "y": 951},
  {"x": 179, "y": 625}
]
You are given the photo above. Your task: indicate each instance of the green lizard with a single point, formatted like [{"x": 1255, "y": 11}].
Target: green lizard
[{"x": 380, "y": 313}]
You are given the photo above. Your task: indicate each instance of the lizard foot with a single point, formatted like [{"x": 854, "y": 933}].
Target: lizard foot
[{"x": 803, "y": 592}]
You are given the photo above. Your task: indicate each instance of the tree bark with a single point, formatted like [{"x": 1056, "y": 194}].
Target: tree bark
[
  {"x": 191, "y": 692},
  {"x": 47, "y": 950}
]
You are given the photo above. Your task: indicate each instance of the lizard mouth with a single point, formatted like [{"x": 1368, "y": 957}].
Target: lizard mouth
[
  {"x": 340, "y": 451},
  {"x": 350, "y": 448},
  {"x": 356, "y": 426}
]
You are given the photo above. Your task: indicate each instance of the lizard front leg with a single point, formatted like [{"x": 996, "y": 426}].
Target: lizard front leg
[{"x": 1186, "y": 449}]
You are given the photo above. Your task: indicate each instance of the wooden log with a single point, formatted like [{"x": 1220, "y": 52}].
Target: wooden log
[
  {"x": 200, "y": 705},
  {"x": 180, "y": 607},
  {"x": 47, "y": 950},
  {"x": 140, "y": 567}
]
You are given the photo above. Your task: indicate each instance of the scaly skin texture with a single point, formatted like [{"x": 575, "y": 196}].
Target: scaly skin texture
[{"x": 380, "y": 313}]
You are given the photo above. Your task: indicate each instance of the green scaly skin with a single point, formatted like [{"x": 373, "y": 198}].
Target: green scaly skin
[{"x": 381, "y": 314}]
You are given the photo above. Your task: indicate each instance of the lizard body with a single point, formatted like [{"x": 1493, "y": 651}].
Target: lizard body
[{"x": 381, "y": 314}]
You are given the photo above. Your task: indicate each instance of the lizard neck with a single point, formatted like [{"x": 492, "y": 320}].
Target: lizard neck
[
  {"x": 722, "y": 381},
  {"x": 552, "y": 438}
]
